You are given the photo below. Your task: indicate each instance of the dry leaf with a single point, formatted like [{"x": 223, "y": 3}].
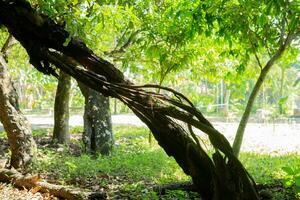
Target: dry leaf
[
  {"x": 34, "y": 179},
  {"x": 35, "y": 189}
]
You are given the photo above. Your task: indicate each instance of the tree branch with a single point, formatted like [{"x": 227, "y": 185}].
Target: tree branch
[
  {"x": 122, "y": 49},
  {"x": 282, "y": 30},
  {"x": 255, "y": 53}
]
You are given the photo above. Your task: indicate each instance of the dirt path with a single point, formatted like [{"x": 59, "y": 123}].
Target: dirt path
[
  {"x": 266, "y": 138},
  {"x": 260, "y": 138}
]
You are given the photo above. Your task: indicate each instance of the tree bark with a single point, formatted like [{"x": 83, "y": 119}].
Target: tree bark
[
  {"x": 97, "y": 135},
  {"x": 61, "y": 109},
  {"x": 22, "y": 145},
  {"x": 221, "y": 176}
]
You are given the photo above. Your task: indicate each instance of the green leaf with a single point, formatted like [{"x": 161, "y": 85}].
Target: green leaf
[
  {"x": 283, "y": 100},
  {"x": 288, "y": 170},
  {"x": 297, "y": 171},
  {"x": 262, "y": 20},
  {"x": 288, "y": 183},
  {"x": 297, "y": 180}
]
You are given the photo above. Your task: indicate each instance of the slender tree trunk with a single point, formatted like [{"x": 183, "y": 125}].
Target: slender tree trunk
[
  {"x": 244, "y": 120},
  {"x": 61, "y": 109},
  {"x": 21, "y": 143},
  {"x": 226, "y": 103},
  {"x": 280, "y": 104},
  {"x": 243, "y": 123},
  {"x": 97, "y": 135}
]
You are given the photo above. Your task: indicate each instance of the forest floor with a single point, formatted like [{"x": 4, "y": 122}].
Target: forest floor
[
  {"x": 8, "y": 192},
  {"x": 135, "y": 166}
]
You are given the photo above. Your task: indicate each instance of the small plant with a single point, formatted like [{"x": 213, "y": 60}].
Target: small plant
[
  {"x": 41, "y": 132},
  {"x": 3, "y": 134},
  {"x": 292, "y": 178},
  {"x": 76, "y": 130}
]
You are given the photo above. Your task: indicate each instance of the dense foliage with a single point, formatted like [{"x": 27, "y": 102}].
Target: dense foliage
[{"x": 208, "y": 54}]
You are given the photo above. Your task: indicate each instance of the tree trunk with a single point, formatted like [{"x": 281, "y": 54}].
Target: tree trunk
[
  {"x": 243, "y": 123},
  {"x": 280, "y": 103},
  {"x": 220, "y": 177},
  {"x": 263, "y": 74},
  {"x": 97, "y": 135},
  {"x": 227, "y": 101},
  {"x": 21, "y": 143},
  {"x": 61, "y": 109}
]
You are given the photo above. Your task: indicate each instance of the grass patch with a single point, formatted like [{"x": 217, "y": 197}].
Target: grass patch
[
  {"x": 76, "y": 130},
  {"x": 38, "y": 132},
  {"x": 132, "y": 157},
  {"x": 134, "y": 164},
  {"x": 42, "y": 132},
  {"x": 266, "y": 168}
]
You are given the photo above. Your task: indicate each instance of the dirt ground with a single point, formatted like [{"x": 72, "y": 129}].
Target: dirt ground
[
  {"x": 8, "y": 192},
  {"x": 270, "y": 138}
]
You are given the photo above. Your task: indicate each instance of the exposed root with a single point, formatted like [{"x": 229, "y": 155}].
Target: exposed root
[{"x": 34, "y": 183}]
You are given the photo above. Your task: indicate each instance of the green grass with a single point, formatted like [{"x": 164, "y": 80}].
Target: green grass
[
  {"x": 135, "y": 163},
  {"x": 266, "y": 168},
  {"x": 38, "y": 132},
  {"x": 132, "y": 157},
  {"x": 41, "y": 132}
]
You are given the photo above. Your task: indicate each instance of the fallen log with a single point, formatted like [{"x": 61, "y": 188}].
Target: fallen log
[{"x": 35, "y": 184}]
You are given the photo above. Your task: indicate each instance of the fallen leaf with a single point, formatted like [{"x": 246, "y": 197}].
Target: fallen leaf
[{"x": 35, "y": 189}]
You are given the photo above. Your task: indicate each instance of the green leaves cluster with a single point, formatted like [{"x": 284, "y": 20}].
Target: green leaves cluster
[
  {"x": 192, "y": 41},
  {"x": 157, "y": 37},
  {"x": 292, "y": 178}
]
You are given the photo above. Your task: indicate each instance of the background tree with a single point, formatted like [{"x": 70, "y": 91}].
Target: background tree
[
  {"x": 22, "y": 145},
  {"x": 97, "y": 135},
  {"x": 254, "y": 30},
  {"x": 61, "y": 109}
]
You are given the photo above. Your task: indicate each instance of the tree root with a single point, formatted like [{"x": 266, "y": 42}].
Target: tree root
[
  {"x": 35, "y": 184},
  {"x": 185, "y": 186}
]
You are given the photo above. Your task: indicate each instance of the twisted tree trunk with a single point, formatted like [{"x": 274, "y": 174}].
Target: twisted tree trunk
[
  {"x": 21, "y": 143},
  {"x": 220, "y": 177}
]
